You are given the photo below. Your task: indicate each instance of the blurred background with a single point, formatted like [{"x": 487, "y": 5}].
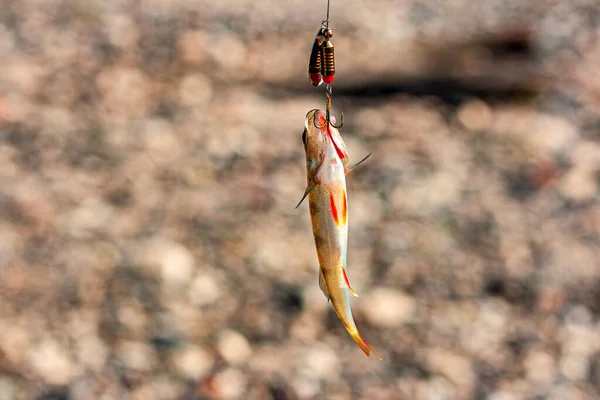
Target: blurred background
[{"x": 150, "y": 162}]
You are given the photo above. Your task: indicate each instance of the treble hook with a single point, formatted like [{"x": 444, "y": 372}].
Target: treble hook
[{"x": 328, "y": 92}]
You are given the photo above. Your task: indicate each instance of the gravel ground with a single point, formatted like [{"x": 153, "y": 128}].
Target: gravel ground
[{"x": 150, "y": 162}]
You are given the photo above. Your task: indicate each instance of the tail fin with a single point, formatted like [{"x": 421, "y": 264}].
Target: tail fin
[{"x": 362, "y": 343}]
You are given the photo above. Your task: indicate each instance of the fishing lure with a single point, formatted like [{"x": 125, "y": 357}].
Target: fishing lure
[
  {"x": 321, "y": 64},
  {"x": 326, "y": 170}
]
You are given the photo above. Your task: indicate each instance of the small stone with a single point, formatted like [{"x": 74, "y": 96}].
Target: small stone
[
  {"x": 578, "y": 185},
  {"x": 323, "y": 361},
  {"x": 574, "y": 367},
  {"x": 586, "y": 155},
  {"x": 388, "y": 308},
  {"x": 552, "y": 135},
  {"x": 192, "y": 362},
  {"x": 137, "y": 356},
  {"x": 14, "y": 342},
  {"x": 52, "y": 363},
  {"x": 540, "y": 367},
  {"x": 162, "y": 145},
  {"x": 455, "y": 367},
  {"x": 7, "y": 41},
  {"x": 192, "y": 46},
  {"x": 177, "y": 264},
  {"x": 229, "y": 53},
  {"x": 231, "y": 384},
  {"x": 438, "y": 388},
  {"x": 475, "y": 115},
  {"x": 122, "y": 32},
  {"x": 92, "y": 352},
  {"x": 8, "y": 389},
  {"x": 234, "y": 347},
  {"x": 204, "y": 289},
  {"x": 195, "y": 91},
  {"x": 90, "y": 216},
  {"x": 124, "y": 90}
]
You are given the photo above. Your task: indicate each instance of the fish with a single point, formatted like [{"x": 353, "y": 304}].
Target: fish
[{"x": 326, "y": 169}]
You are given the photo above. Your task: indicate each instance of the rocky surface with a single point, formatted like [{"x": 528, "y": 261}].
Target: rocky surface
[{"x": 150, "y": 162}]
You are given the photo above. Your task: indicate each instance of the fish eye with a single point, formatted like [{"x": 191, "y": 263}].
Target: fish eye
[{"x": 304, "y": 137}]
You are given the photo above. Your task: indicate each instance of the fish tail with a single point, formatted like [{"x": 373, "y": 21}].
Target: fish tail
[{"x": 361, "y": 342}]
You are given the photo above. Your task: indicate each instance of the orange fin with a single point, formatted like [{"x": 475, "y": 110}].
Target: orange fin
[
  {"x": 350, "y": 168},
  {"x": 309, "y": 189},
  {"x": 348, "y": 282},
  {"x": 362, "y": 343}
]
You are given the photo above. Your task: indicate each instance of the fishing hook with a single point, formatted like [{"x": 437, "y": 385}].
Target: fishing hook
[{"x": 328, "y": 92}]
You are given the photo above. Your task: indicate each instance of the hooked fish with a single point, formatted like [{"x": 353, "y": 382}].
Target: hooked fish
[{"x": 327, "y": 167}]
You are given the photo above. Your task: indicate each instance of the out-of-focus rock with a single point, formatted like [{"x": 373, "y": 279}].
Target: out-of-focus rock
[
  {"x": 122, "y": 31},
  {"x": 540, "y": 367},
  {"x": 52, "y": 362},
  {"x": 229, "y": 53},
  {"x": 8, "y": 389},
  {"x": 192, "y": 46},
  {"x": 437, "y": 387},
  {"x": 475, "y": 115},
  {"x": 177, "y": 264},
  {"x": 90, "y": 216},
  {"x": 323, "y": 361},
  {"x": 15, "y": 342},
  {"x": 162, "y": 145},
  {"x": 231, "y": 384},
  {"x": 455, "y": 367},
  {"x": 92, "y": 352},
  {"x": 552, "y": 135},
  {"x": 137, "y": 356},
  {"x": 387, "y": 307},
  {"x": 195, "y": 91},
  {"x": 125, "y": 90},
  {"x": 579, "y": 185},
  {"x": 192, "y": 362},
  {"x": 7, "y": 41},
  {"x": 205, "y": 289},
  {"x": 234, "y": 347}
]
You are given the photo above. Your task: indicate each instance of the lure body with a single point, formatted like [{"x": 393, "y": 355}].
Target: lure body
[{"x": 327, "y": 167}]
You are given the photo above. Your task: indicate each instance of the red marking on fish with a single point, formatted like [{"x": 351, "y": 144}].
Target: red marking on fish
[
  {"x": 344, "y": 209},
  {"x": 336, "y": 146},
  {"x": 348, "y": 282},
  {"x": 334, "y": 211}
]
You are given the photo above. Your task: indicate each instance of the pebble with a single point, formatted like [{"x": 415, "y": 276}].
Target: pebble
[
  {"x": 205, "y": 289},
  {"x": 8, "y": 389},
  {"x": 195, "y": 90},
  {"x": 52, "y": 362},
  {"x": 234, "y": 347},
  {"x": 388, "y": 308},
  {"x": 192, "y": 362},
  {"x": 231, "y": 383},
  {"x": 137, "y": 356},
  {"x": 124, "y": 90},
  {"x": 176, "y": 263},
  {"x": 540, "y": 367},
  {"x": 456, "y": 367},
  {"x": 192, "y": 46},
  {"x": 475, "y": 115},
  {"x": 579, "y": 185}
]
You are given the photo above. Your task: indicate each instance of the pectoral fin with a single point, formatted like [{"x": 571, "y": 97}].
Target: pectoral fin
[
  {"x": 348, "y": 169},
  {"x": 322, "y": 284},
  {"x": 348, "y": 282},
  {"x": 309, "y": 189}
]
